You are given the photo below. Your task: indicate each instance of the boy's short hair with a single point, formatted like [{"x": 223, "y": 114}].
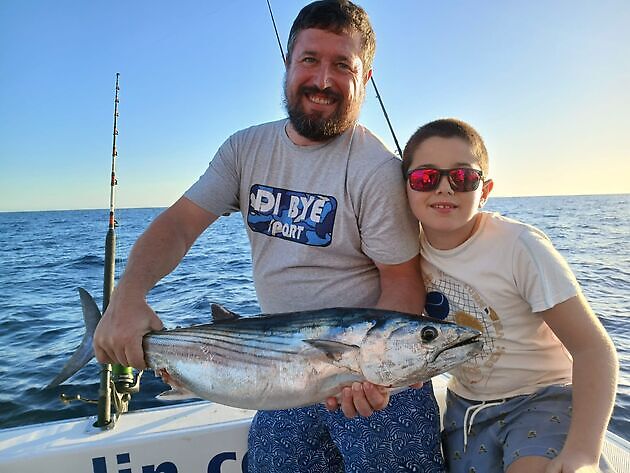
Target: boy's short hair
[
  {"x": 336, "y": 16},
  {"x": 447, "y": 128}
]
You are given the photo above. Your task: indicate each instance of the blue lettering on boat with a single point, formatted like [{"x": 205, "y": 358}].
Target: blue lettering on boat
[{"x": 99, "y": 464}]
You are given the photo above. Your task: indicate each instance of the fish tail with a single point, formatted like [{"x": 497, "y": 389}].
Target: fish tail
[{"x": 85, "y": 352}]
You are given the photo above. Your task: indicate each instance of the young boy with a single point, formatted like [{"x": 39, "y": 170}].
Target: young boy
[{"x": 539, "y": 396}]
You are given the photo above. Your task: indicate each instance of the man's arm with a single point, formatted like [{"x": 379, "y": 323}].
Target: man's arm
[
  {"x": 118, "y": 337},
  {"x": 401, "y": 290}
]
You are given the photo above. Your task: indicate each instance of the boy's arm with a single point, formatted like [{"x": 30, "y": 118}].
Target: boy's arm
[{"x": 595, "y": 368}]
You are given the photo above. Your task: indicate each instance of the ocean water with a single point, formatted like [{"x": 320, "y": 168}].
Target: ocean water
[{"x": 45, "y": 256}]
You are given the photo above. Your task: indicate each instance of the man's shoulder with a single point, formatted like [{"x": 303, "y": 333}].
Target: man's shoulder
[
  {"x": 370, "y": 154},
  {"x": 366, "y": 137},
  {"x": 254, "y": 131}
]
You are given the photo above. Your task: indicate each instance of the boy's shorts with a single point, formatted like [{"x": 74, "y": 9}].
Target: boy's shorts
[
  {"x": 404, "y": 437},
  {"x": 505, "y": 430}
]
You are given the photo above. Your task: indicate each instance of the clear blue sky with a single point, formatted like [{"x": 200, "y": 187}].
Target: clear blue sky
[{"x": 546, "y": 83}]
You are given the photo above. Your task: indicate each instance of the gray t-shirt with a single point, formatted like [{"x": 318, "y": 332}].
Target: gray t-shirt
[{"x": 317, "y": 216}]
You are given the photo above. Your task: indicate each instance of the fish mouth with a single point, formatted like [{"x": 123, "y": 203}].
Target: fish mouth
[{"x": 468, "y": 341}]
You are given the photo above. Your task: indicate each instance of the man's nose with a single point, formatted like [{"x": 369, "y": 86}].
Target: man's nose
[{"x": 323, "y": 78}]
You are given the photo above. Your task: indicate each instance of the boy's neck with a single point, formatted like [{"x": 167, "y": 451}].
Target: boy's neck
[{"x": 449, "y": 240}]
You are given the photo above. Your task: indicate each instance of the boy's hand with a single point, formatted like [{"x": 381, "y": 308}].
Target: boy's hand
[{"x": 571, "y": 463}]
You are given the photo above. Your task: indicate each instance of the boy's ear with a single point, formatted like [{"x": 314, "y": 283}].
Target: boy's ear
[{"x": 485, "y": 192}]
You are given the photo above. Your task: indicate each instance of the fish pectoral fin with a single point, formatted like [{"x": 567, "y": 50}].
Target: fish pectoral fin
[
  {"x": 338, "y": 353},
  {"x": 176, "y": 394},
  {"x": 221, "y": 313},
  {"x": 333, "y": 350},
  {"x": 177, "y": 391}
]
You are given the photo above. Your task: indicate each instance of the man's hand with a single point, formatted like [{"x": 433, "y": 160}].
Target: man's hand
[
  {"x": 362, "y": 399},
  {"x": 118, "y": 336}
]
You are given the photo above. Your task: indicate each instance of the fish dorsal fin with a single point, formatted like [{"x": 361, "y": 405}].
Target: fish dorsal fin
[
  {"x": 338, "y": 353},
  {"x": 221, "y": 313}
]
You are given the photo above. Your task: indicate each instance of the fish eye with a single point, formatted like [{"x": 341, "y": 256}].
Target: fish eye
[{"x": 428, "y": 334}]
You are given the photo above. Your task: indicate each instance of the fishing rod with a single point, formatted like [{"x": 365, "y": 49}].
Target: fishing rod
[
  {"x": 391, "y": 128},
  {"x": 378, "y": 95},
  {"x": 273, "y": 20},
  {"x": 117, "y": 381}
]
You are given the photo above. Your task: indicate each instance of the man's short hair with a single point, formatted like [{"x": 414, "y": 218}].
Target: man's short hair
[
  {"x": 447, "y": 128},
  {"x": 337, "y": 16}
]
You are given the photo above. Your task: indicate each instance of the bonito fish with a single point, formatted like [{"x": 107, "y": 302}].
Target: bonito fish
[{"x": 280, "y": 361}]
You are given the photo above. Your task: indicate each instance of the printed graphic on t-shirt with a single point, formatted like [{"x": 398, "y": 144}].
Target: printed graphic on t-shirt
[
  {"x": 450, "y": 299},
  {"x": 292, "y": 215}
]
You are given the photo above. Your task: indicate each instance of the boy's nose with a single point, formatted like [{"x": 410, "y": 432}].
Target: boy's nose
[{"x": 444, "y": 186}]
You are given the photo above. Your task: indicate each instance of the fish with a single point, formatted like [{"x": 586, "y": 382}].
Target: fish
[{"x": 293, "y": 359}]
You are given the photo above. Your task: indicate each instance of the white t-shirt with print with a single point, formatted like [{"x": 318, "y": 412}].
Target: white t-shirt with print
[{"x": 499, "y": 281}]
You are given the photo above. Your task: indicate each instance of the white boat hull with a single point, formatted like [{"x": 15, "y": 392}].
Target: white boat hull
[
  {"x": 196, "y": 437},
  {"x": 193, "y": 438}
]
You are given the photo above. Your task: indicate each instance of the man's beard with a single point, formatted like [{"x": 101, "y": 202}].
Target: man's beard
[{"x": 314, "y": 126}]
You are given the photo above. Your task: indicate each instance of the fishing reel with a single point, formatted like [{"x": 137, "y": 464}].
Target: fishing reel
[
  {"x": 122, "y": 386},
  {"x": 118, "y": 384},
  {"x": 124, "y": 381}
]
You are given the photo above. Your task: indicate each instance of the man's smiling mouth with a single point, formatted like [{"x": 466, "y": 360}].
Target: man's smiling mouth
[{"x": 320, "y": 100}]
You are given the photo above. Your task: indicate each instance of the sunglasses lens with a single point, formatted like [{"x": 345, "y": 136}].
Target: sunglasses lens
[
  {"x": 464, "y": 179},
  {"x": 424, "y": 180},
  {"x": 460, "y": 179}
]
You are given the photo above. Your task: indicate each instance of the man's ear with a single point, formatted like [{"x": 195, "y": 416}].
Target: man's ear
[
  {"x": 367, "y": 77},
  {"x": 485, "y": 192}
]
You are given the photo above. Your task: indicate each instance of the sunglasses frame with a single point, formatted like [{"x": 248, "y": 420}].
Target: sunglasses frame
[{"x": 447, "y": 173}]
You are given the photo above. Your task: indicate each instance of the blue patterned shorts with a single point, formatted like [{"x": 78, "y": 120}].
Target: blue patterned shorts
[
  {"x": 502, "y": 432},
  {"x": 404, "y": 437}
]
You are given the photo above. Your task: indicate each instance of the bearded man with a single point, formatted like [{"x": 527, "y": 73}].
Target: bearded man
[{"x": 324, "y": 205}]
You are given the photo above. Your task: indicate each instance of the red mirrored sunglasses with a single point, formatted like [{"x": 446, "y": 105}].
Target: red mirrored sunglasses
[{"x": 427, "y": 179}]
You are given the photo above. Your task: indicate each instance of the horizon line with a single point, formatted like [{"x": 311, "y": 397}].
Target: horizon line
[{"x": 164, "y": 207}]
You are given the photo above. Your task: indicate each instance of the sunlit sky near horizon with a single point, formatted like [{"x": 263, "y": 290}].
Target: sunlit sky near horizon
[{"x": 547, "y": 84}]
